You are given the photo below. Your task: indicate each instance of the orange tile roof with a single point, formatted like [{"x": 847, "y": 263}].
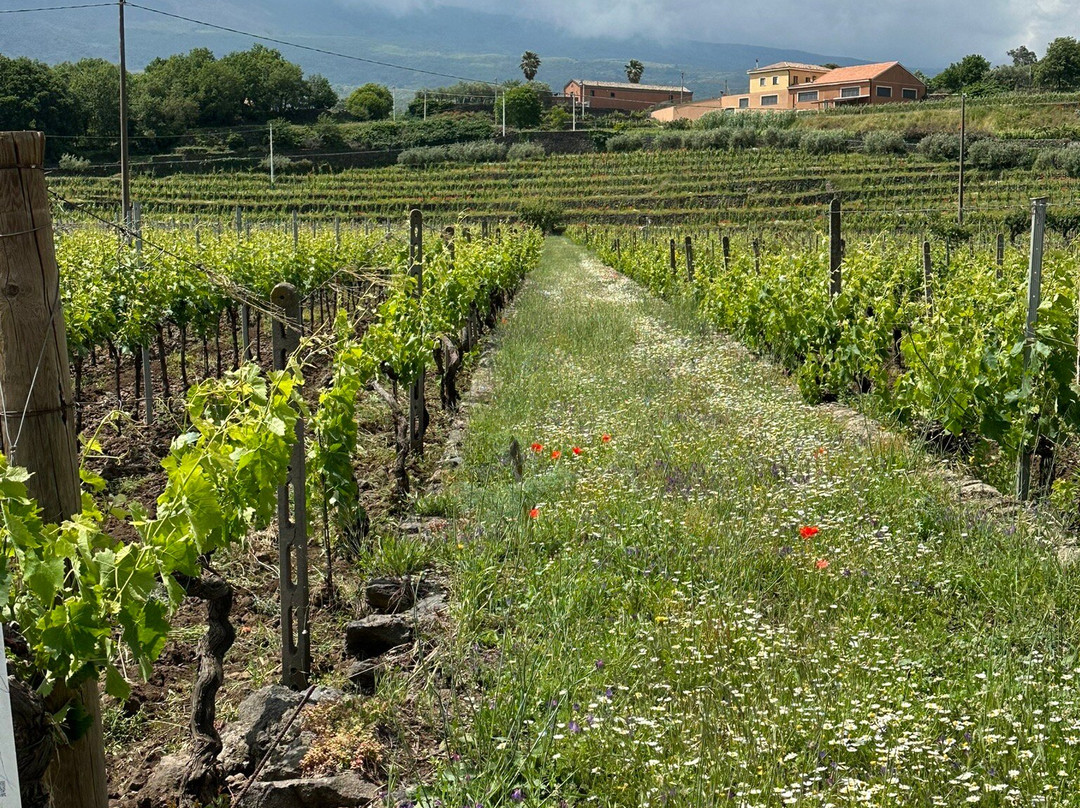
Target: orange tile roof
[{"x": 843, "y": 75}]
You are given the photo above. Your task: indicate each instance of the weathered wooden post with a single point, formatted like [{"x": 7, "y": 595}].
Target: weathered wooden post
[
  {"x": 38, "y": 416},
  {"x": 928, "y": 274},
  {"x": 292, "y": 514},
  {"x": 689, "y": 260},
  {"x": 239, "y": 223},
  {"x": 416, "y": 391},
  {"x": 1000, "y": 254},
  {"x": 1038, "y": 231},
  {"x": 725, "y": 243},
  {"x": 295, "y": 230},
  {"x": 671, "y": 256},
  {"x": 836, "y": 249},
  {"x": 755, "y": 245}
]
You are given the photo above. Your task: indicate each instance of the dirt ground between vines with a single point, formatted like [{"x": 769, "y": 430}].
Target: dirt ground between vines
[{"x": 153, "y": 722}]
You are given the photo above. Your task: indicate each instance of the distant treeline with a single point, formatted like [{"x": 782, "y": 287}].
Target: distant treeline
[{"x": 78, "y": 103}]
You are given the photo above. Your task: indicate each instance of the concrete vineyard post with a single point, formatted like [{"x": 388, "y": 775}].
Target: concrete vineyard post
[
  {"x": 1034, "y": 298},
  {"x": 416, "y": 390},
  {"x": 928, "y": 269},
  {"x": 38, "y": 427},
  {"x": 689, "y": 260},
  {"x": 836, "y": 249},
  {"x": 292, "y": 515}
]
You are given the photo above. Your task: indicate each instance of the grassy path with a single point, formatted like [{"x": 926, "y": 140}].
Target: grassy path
[{"x": 728, "y": 602}]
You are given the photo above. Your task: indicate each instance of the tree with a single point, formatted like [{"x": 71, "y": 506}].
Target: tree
[
  {"x": 634, "y": 70},
  {"x": 530, "y": 63},
  {"x": 319, "y": 95},
  {"x": 972, "y": 69},
  {"x": 274, "y": 86},
  {"x": 33, "y": 96},
  {"x": 95, "y": 87},
  {"x": 371, "y": 102},
  {"x": 523, "y": 106},
  {"x": 1060, "y": 67},
  {"x": 1022, "y": 57}
]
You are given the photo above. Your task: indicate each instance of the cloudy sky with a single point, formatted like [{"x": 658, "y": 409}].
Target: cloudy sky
[{"x": 920, "y": 32}]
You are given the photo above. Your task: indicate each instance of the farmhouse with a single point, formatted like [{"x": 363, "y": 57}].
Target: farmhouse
[
  {"x": 791, "y": 85},
  {"x": 624, "y": 96}
]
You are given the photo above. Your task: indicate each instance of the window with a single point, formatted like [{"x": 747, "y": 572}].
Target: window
[
  {"x": 770, "y": 100},
  {"x": 744, "y": 103},
  {"x": 613, "y": 95},
  {"x": 884, "y": 92},
  {"x": 807, "y": 95},
  {"x": 849, "y": 92},
  {"x": 761, "y": 82},
  {"x": 775, "y": 79},
  {"x": 794, "y": 79},
  {"x": 592, "y": 92},
  {"x": 912, "y": 94}
]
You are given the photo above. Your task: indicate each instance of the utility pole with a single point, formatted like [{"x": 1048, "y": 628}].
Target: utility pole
[
  {"x": 573, "y": 115},
  {"x": 125, "y": 165},
  {"x": 425, "y": 105},
  {"x": 271, "y": 153},
  {"x": 963, "y": 132},
  {"x": 393, "y": 94},
  {"x": 682, "y": 82},
  {"x": 504, "y": 115}
]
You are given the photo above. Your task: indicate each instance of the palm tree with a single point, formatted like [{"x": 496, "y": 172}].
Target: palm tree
[
  {"x": 634, "y": 69},
  {"x": 530, "y": 63}
]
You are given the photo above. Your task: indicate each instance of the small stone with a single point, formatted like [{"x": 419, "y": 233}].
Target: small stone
[
  {"x": 164, "y": 784},
  {"x": 345, "y": 790},
  {"x": 390, "y": 595},
  {"x": 376, "y": 634},
  {"x": 364, "y": 675}
]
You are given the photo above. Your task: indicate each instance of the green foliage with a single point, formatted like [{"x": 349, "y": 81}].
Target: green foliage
[
  {"x": 940, "y": 146},
  {"x": 33, "y": 96},
  {"x": 523, "y": 107},
  {"x": 1059, "y": 69},
  {"x": 990, "y": 154},
  {"x": 634, "y": 71},
  {"x": 884, "y": 143},
  {"x": 530, "y": 63},
  {"x": 970, "y": 70},
  {"x": 556, "y": 118},
  {"x": 825, "y": 141},
  {"x": 370, "y": 102},
  {"x": 542, "y": 214},
  {"x": 525, "y": 151}
]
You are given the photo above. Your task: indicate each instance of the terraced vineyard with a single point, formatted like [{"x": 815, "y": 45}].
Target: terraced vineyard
[{"x": 703, "y": 187}]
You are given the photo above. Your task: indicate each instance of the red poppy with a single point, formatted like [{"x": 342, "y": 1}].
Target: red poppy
[
  {"x": 821, "y": 563},
  {"x": 535, "y": 512},
  {"x": 537, "y": 447},
  {"x": 576, "y": 450},
  {"x": 808, "y": 531},
  {"x": 555, "y": 454},
  {"x": 605, "y": 438}
]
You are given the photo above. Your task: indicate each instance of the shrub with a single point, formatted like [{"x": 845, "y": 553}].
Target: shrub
[
  {"x": 477, "y": 151},
  {"x": 884, "y": 143},
  {"x": 744, "y": 138},
  {"x": 424, "y": 156},
  {"x": 780, "y": 138},
  {"x": 1070, "y": 161},
  {"x": 996, "y": 155},
  {"x": 824, "y": 141},
  {"x": 940, "y": 146},
  {"x": 543, "y": 213},
  {"x": 666, "y": 141},
  {"x": 525, "y": 151},
  {"x": 627, "y": 141},
  {"x": 69, "y": 162}
]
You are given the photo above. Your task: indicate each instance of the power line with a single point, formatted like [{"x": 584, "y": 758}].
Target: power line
[
  {"x": 54, "y": 8},
  {"x": 311, "y": 48}
]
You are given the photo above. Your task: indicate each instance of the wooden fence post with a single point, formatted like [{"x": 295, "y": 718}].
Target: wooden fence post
[
  {"x": 1038, "y": 231},
  {"x": 689, "y": 260},
  {"x": 671, "y": 256},
  {"x": 417, "y": 406},
  {"x": 725, "y": 243},
  {"x": 295, "y": 230},
  {"x": 38, "y": 426},
  {"x": 836, "y": 249},
  {"x": 1000, "y": 254},
  {"x": 292, "y": 515},
  {"x": 239, "y": 223},
  {"x": 755, "y": 245}
]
